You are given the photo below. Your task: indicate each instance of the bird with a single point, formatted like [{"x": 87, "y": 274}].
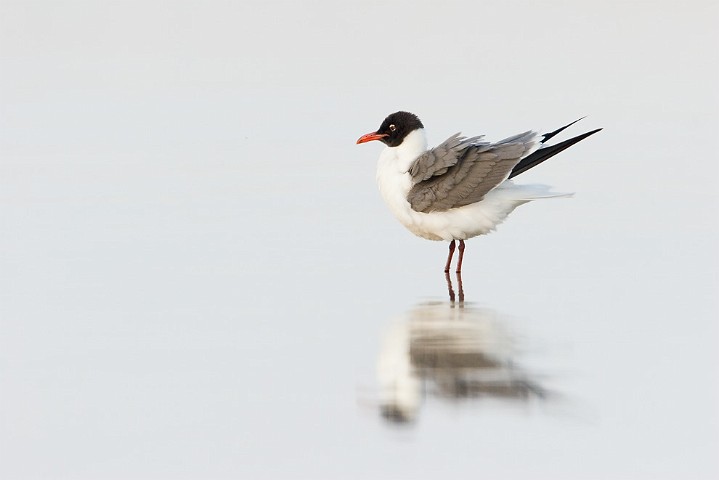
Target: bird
[{"x": 461, "y": 188}]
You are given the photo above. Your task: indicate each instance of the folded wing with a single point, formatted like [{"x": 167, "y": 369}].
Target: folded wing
[{"x": 461, "y": 171}]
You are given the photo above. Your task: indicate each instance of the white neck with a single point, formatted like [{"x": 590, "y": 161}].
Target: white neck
[
  {"x": 413, "y": 145},
  {"x": 392, "y": 173}
]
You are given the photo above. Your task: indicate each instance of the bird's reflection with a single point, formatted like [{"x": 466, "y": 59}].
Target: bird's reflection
[
  {"x": 450, "y": 289},
  {"x": 452, "y": 352}
]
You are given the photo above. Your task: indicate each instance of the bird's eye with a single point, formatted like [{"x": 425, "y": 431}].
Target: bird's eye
[{"x": 392, "y": 128}]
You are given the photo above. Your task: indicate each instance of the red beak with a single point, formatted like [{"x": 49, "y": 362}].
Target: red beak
[{"x": 370, "y": 136}]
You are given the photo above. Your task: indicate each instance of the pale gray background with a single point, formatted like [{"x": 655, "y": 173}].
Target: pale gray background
[{"x": 196, "y": 268}]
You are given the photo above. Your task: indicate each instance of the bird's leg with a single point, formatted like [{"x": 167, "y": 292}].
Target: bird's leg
[
  {"x": 449, "y": 287},
  {"x": 459, "y": 287},
  {"x": 449, "y": 257},
  {"x": 461, "y": 256}
]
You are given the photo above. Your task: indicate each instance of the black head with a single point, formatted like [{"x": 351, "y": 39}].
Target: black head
[{"x": 394, "y": 129}]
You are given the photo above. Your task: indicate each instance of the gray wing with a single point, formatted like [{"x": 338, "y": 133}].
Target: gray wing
[
  {"x": 461, "y": 171},
  {"x": 437, "y": 160}
]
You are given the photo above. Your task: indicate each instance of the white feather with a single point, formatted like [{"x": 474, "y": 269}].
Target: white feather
[{"x": 459, "y": 223}]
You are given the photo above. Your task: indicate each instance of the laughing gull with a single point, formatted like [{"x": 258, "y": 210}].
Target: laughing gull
[{"x": 461, "y": 188}]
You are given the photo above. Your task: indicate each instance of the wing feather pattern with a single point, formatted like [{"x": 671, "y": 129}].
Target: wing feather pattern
[{"x": 461, "y": 171}]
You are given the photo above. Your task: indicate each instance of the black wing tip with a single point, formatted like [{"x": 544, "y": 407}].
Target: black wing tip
[
  {"x": 549, "y": 135},
  {"x": 549, "y": 151},
  {"x": 579, "y": 138}
]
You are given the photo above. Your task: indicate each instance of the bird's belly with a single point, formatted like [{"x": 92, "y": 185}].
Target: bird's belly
[{"x": 454, "y": 224}]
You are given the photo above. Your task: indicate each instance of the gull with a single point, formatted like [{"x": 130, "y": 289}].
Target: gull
[{"x": 461, "y": 188}]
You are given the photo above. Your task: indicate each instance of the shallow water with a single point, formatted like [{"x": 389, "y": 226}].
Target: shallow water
[{"x": 199, "y": 278}]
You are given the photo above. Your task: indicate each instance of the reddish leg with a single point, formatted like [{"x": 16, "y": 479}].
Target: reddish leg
[
  {"x": 461, "y": 256},
  {"x": 449, "y": 257},
  {"x": 459, "y": 287},
  {"x": 450, "y": 289}
]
